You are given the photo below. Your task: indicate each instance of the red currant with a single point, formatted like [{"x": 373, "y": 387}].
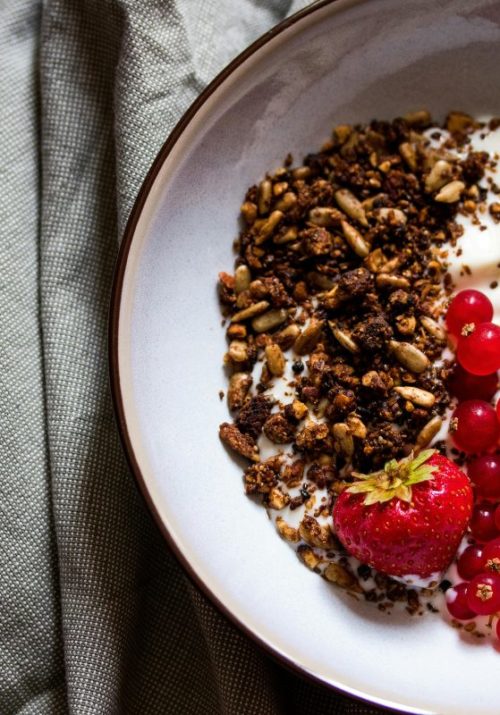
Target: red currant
[
  {"x": 497, "y": 517},
  {"x": 468, "y": 306},
  {"x": 484, "y": 471},
  {"x": 474, "y": 426},
  {"x": 479, "y": 351},
  {"x": 491, "y": 556},
  {"x": 483, "y": 594},
  {"x": 466, "y": 386},
  {"x": 482, "y": 523},
  {"x": 456, "y": 602},
  {"x": 471, "y": 562},
  {"x": 498, "y": 629}
]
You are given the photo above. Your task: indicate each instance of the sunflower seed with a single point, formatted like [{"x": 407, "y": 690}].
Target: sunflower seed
[
  {"x": 265, "y": 196},
  {"x": 308, "y": 338},
  {"x": 251, "y": 311},
  {"x": 319, "y": 280},
  {"x": 267, "y": 229},
  {"x": 249, "y": 212},
  {"x": 351, "y": 206},
  {"x": 343, "y": 338},
  {"x": 275, "y": 359},
  {"x": 302, "y": 172},
  {"x": 355, "y": 240},
  {"x": 430, "y": 326},
  {"x": 429, "y": 431},
  {"x": 409, "y": 154},
  {"x": 409, "y": 356},
  {"x": 419, "y": 397},
  {"x": 344, "y": 442},
  {"x": 450, "y": 193},
  {"x": 286, "y": 337},
  {"x": 242, "y": 279},
  {"x": 280, "y": 187},
  {"x": 325, "y": 216},
  {"x": 287, "y": 237},
  {"x": 269, "y": 320},
  {"x": 287, "y": 201},
  {"x": 385, "y": 280}
]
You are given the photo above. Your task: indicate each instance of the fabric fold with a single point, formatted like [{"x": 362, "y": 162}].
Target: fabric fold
[{"x": 97, "y": 616}]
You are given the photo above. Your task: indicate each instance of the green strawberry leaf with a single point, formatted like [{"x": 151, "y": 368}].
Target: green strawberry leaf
[{"x": 395, "y": 480}]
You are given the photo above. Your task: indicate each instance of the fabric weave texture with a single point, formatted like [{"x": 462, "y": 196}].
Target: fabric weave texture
[{"x": 96, "y": 616}]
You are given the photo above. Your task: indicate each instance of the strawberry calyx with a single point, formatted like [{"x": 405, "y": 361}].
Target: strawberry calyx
[{"x": 395, "y": 479}]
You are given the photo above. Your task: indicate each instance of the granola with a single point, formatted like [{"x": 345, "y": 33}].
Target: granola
[{"x": 340, "y": 286}]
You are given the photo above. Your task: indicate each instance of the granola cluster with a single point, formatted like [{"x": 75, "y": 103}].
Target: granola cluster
[{"x": 339, "y": 289}]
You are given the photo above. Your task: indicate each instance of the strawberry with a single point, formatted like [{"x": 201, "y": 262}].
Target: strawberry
[{"x": 409, "y": 518}]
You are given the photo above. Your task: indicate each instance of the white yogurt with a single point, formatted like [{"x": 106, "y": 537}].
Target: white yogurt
[{"x": 480, "y": 244}]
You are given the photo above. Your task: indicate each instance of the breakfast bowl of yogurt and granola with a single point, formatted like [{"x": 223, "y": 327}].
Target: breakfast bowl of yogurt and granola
[
  {"x": 306, "y": 345},
  {"x": 362, "y": 379}
]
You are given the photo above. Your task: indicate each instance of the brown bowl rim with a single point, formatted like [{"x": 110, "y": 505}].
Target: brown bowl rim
[{"x": 114, "y": 373}]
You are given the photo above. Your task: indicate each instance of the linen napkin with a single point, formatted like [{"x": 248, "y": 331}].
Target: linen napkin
[{"x": 96, "y": 616}]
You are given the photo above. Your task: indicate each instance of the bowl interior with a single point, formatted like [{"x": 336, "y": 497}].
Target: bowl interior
[{"x": 343, "y": 62}]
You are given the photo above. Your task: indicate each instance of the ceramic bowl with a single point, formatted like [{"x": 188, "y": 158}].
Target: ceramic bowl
[{"x": 343, "y": 61}]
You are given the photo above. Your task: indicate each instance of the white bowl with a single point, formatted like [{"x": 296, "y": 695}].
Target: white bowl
[{"x": 343, "y": 61}]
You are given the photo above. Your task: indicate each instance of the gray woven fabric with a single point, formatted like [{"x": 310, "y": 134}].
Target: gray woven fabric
[{"x": 96, "y": 616}]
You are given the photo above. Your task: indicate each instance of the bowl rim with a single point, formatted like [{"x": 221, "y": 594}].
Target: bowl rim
[{"x": 114, "y": 371}]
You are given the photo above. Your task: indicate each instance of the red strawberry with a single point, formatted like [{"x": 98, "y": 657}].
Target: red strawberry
[{"x": 407, "y": 519}]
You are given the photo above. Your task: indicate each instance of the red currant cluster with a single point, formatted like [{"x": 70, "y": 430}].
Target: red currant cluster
[
  {"x": 479, "y": 594},
  {"x": 477, "y": 429},
  {"x": 475, "y": 425}
]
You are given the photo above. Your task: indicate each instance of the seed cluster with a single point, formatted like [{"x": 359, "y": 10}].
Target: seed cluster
[{"x": 341, "y": 276}]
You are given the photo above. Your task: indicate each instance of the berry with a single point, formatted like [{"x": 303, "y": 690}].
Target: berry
[
  {"x": 491, "y": 556},
  {"x": 456, "y": 602},
  {"x": 474, "y": 426},
  {"x": 466, "y": 386},
  {"x": 497, "y": 518},
  {"x": 470, "y": 562},
  {"x": 468, "y": 306},
  {"x": 407, "y": 519},
  {"x": 498, "y": 629},
  {"x": 483, "y": 594},
  {"x": 479, "y": 351},
  {"x": 484, "y": 472},
  {"x": 482, "y": 523}
]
